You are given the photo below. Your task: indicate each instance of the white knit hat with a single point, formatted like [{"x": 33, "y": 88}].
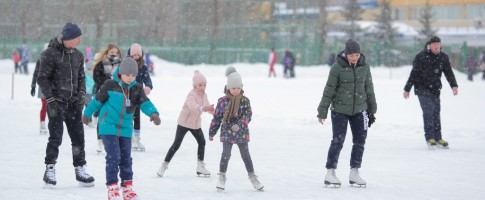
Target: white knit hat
[{"x": 234, "y": 80}]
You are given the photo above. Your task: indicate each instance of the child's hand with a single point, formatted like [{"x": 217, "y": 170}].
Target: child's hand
[
  {"x": 211, "y": 138},
  {"x": 86, "y": 120},
  {"x": 210, "y": 109},
  {"x": 155, "y": 119}
]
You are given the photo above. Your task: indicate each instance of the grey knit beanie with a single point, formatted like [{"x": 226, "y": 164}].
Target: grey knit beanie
[
  {"x": 234, "y": 80},
  {"x": 351, "y": 47},
  {"x": 128, "y": 66}
]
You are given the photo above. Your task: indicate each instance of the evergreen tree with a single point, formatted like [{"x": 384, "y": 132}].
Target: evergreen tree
[
  {"x": 426, "y": 21},
  {"x": 385, "y": 34},
  {"x": 352, "y": 13}
]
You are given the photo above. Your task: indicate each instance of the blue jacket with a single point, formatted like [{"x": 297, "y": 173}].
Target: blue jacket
[{"x": 115, "y": 117}]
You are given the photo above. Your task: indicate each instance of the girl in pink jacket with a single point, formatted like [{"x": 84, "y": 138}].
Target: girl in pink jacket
[{"x": 190, "y": 120}]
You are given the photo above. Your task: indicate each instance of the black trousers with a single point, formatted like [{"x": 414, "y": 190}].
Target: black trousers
[
  {"x": 71, "y": 115},
  {"x": 226, "y": 155},
  {"x": 136, "y": 119},
  {"x": 179, "y": 137}
]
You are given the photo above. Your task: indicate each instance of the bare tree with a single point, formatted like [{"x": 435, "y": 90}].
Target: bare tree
[
  {"x": 323, "y": 27},
  {"x": 426, "y": 21},
  {"x": 352, "y": 13}
]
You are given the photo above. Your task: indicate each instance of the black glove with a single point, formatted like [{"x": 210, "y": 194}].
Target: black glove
[
  {"x": 78, "y": 99},
  {"x": 372, "y": 118},
  {"x": 155, "y": 118},
  {"x": 52, "y": 107},
  {"x": 32, "y": 91}
]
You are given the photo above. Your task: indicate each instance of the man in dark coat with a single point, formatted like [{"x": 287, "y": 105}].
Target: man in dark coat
[
  {"x": 61, "y": 78},
  {"x": 428, "y": 66}
]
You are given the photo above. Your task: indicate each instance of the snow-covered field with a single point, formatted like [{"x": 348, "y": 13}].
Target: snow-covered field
[{"x": 288, "y": 147}]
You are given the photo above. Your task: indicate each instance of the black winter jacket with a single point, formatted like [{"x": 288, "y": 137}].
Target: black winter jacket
[
  {"x": 426, "y": 73},
  {"x": 61, "y": 74}
]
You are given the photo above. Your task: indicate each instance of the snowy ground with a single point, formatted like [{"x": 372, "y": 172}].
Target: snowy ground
[{"x": 288, "y": 146}]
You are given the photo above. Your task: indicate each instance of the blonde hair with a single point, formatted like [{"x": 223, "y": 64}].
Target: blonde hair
[{"x": 103, "y": 54}]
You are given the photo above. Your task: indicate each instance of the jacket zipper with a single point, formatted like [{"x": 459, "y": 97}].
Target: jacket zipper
[
  {"x": 122, "y": 112},
  {"x": 355, "y": 85}
]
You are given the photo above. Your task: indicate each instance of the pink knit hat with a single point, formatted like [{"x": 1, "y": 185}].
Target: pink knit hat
[
  {"x": 198, "y": 78},
  {"x": 135, "y": 49}
]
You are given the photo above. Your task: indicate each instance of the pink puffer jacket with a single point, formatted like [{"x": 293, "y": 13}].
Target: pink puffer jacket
[{"x": 190, "y": 115}]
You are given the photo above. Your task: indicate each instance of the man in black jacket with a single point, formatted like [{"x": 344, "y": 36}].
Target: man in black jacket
[
  {"x": 428, "y": 66},
  {"x": 61, "y": 78}
]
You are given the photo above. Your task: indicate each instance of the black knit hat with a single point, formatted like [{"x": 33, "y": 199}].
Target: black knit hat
[
  {"x": 434, "y": 39},
  {"x": 70, "y": 31},
  {"x": 351, "y": 47}
]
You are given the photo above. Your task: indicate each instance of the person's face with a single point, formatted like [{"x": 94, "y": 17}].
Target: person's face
[
  {"x": 201, "y": 87},
  {"x": 136, "y": 57},
  {"x": 353, "y": 58},
  {"x": 72, "y": 43},
  {"x": 113, "y": 52},
  {"x": 128, "y": 78},
  {"x": 435, "y": 47},
  {"x": 235, "y": 91}
]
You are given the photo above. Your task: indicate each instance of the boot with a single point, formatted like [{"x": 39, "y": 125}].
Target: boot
[
  {"x": 136, "y": 145},
  {"x": 43, "y": 128},
  {"x": 221, "y": 184},
  {"x": 254, "y": 180},
  {"x": 84, "y": 179},
  {"x": 354, "y": 178},
  {"x": 331, "y": 179},
  {"x": 431, "y": 143},
  {"x": 128, "y": 193},
  {"x": 443, "y": 144},
  {"x": 201, "y": 168},
  {"x": 100, "y": 146},
  {"x": 50, "y": 176},
  {"x": 113, "y": 192},
  {"x": 162, "y": 169}
]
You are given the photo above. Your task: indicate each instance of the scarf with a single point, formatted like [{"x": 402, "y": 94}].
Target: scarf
[{"x": 233, "y": 107}]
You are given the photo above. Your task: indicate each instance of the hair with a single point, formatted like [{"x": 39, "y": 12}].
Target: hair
[{"x": 105, "y": 52}]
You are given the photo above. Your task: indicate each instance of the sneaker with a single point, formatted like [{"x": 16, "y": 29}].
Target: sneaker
[
  {"x": 221, "y": 184},
  {"x": 162, "y": 169},
  {"x": 254, "y": 180},
  {"x": 114, "y": 192},
  {"x": 128, "y": 193},
  {"x": 354, "y": 178},
  {"x": 50, "y": 176},
  {"x": 201, "y": 169},
  {"x": 84, "y": 179},
  {"x": 331, "y": 179}
]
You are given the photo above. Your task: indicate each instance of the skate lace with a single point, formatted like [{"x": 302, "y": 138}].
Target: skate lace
[
  {"x": 50, "y": 173},
  {"x": 113, "y": 191},
  {"x": 81, "y": 171}
]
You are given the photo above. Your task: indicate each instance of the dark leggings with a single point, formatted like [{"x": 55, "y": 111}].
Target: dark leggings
[
  {"x": 226, "y": 155},
  {"x": 179, "y": 137},
  {"x": 136, "y": 119}
]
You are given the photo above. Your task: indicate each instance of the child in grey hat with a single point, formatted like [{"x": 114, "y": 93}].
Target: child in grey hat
[{"x": 233, "y": 114}]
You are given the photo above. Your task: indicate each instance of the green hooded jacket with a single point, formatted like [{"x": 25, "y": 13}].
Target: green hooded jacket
[{"x": 349, "y": 89}]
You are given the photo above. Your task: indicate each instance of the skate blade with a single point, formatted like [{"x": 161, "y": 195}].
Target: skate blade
[
  {"x": 199, "y": 174},
  {"x": 354, "y": 184},
  {"x": 82, "y": 184},
  {"x": 220, "y": 189},
  {"x": 431, "y": 147},
  {"x": 443, "y": 147},
  {"x": 260, "y": 189},
  {"x": 49, "y": 186},
  {"x": 332, "y": 185}
]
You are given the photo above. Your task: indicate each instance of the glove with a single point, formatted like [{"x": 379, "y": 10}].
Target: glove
[
  {"x": 211, "y": 138},
  {"x": 155, "y": 119},
  {"x": 78, "y": 99},
  {"x": 52, "y": 107},
  {"x": 32, "y": 91},
  {"x": 372, "y": 118},
  {"x": 86, "y": 120}
]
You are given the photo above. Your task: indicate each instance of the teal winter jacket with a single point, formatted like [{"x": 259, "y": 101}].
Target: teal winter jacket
[{"x": 115, "y": 114}]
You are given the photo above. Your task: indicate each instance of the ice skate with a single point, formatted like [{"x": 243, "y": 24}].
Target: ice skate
[
  {"x": 136, "y": 145},
  {"x": 162, "y": 169},
  {"x": 50, "y": 176},
  {"x": 100, "y": 146},
  {"x": 355, "y": 179},
  {"x": 128, "y": 193},
  {"x": 221, "y": 184},
  {"x": 431, "y": 144},
  {"x": 442, "y": 144},
  {"x": 114, "y": 192},
  {"x": 201, "y": 170},
  {"x": 331, "y": 179},
  {"x": 84, "y": 179},
  {"x": 256, "y": 184},
  {"x": 43, "y": 128}
]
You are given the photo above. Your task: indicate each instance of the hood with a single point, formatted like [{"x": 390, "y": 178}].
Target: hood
[
  {"x": 342, "y": 60},
  {"x": 57, "y": 43},
  {"x": 123, "y": 85}
]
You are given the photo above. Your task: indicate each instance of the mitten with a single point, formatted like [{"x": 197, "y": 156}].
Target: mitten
[
  {"x": 155, "y": 118},
  {"x": 32, "y": 91},
  {"x": 372, "y": 118},
  {"x": 86, "y": 120},
  {"x": 52, "y": 107}
]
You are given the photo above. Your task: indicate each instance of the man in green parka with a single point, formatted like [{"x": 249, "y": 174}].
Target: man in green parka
[{"x": 349, "y": 93}]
